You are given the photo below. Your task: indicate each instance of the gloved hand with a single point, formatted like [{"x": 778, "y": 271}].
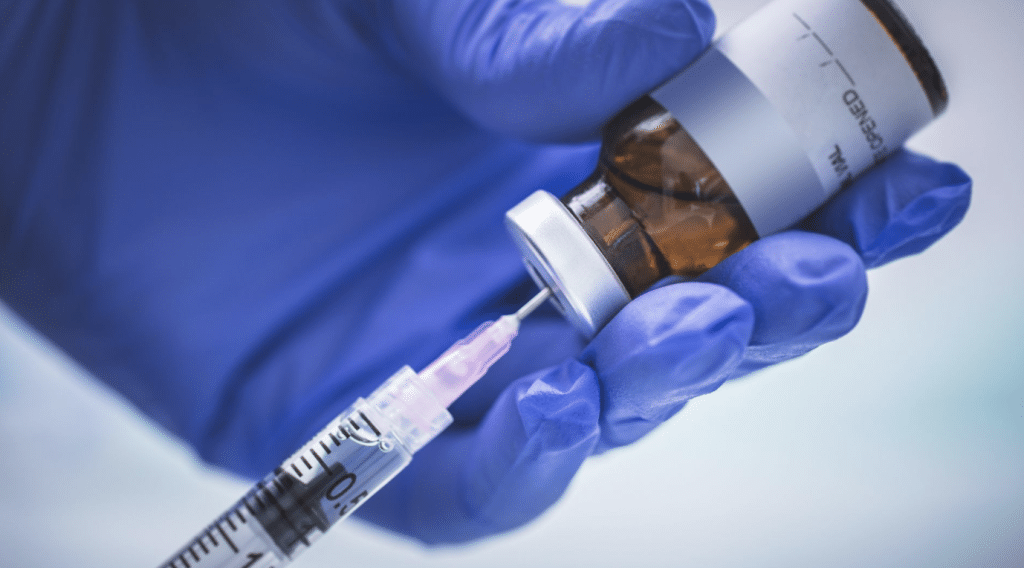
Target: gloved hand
[{"x": 244, "y": 215}]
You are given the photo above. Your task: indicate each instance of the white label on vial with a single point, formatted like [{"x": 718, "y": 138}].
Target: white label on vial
[{"x": 836, "y": 76}]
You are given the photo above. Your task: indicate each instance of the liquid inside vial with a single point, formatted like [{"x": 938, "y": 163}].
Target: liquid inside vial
[{"x": 656, "y": 205}]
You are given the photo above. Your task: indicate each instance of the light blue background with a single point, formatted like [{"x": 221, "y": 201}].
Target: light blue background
[{"x": 899, "y": 445}]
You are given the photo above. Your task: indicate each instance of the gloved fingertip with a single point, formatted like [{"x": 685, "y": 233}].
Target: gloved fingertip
[
  {"x": 630, "y": 48},
  {"x": 805, "y": 289},
  {"x": 468, "y": 484},
  {"x": 924, "y": 220},
  {"x": 666, "y": 347},
  {"x": 545, "y": 71},
  {"x": 530, "y": 446},
  {"x": 690, "y": 23},
  {"x": 559, "y": 408},
  {"x": 896, "y": 209},
  {"x": 667, "y": 319}
]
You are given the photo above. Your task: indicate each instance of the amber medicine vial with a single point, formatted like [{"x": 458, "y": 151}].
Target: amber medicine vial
[{"x": 776, "y": 116}]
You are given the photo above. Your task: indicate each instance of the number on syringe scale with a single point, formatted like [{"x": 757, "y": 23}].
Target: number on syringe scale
[{"x": 289, "y": 509}]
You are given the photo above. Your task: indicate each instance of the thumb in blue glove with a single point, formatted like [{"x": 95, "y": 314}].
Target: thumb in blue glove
[{"x": 543, "y": 70}]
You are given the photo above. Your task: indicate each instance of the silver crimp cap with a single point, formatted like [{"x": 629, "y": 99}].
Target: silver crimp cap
[{"x": 561, "y": 256}]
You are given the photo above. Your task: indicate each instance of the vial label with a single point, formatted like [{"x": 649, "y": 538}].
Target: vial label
[
  {"x": 837, "y": 77},
  {"x": 796, "y": 101}
]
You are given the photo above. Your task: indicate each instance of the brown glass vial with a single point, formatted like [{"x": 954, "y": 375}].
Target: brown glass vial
[
  {"x": 674, "y": 200},
  {"x": 656, "y": 205}
]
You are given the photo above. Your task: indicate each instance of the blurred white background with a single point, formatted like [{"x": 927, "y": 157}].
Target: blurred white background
[{"x": 899, "y": 445}]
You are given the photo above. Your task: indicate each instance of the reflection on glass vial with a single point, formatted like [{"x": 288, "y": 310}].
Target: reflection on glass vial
[{"x": 656, "y": 204}]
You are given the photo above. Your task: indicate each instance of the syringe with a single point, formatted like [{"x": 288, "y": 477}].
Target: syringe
[{"x": 350, "y": 459}]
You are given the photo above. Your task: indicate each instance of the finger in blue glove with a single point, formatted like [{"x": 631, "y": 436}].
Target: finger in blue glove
[
  {"x": 543, "y": 70},
  {"x": 896, "y": 209},
  {"x": 808, "y": 289},
  {"x": 805, "y": 289},
  {"x": 663, "y": 349}
]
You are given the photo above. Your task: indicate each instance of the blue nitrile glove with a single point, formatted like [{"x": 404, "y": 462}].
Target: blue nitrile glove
[{"x": 243, "y": 215}]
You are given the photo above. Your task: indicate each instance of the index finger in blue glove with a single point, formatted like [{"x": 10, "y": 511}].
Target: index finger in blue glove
[
  {"x": 660, "y": 351},
  {"x": 541, "y": 69},
  {"x": 896, "y": 209}
]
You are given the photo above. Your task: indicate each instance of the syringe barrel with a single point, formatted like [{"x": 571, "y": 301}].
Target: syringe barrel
[
  {"x": 322, "y": 483},
  {"x": 348, "y": 461}
]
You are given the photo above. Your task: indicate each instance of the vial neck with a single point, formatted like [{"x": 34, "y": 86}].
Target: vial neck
[{"x": 617, "y": 232}]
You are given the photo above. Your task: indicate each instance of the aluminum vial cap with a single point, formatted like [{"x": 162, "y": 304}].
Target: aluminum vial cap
[{"x": 561, "y": 256}]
